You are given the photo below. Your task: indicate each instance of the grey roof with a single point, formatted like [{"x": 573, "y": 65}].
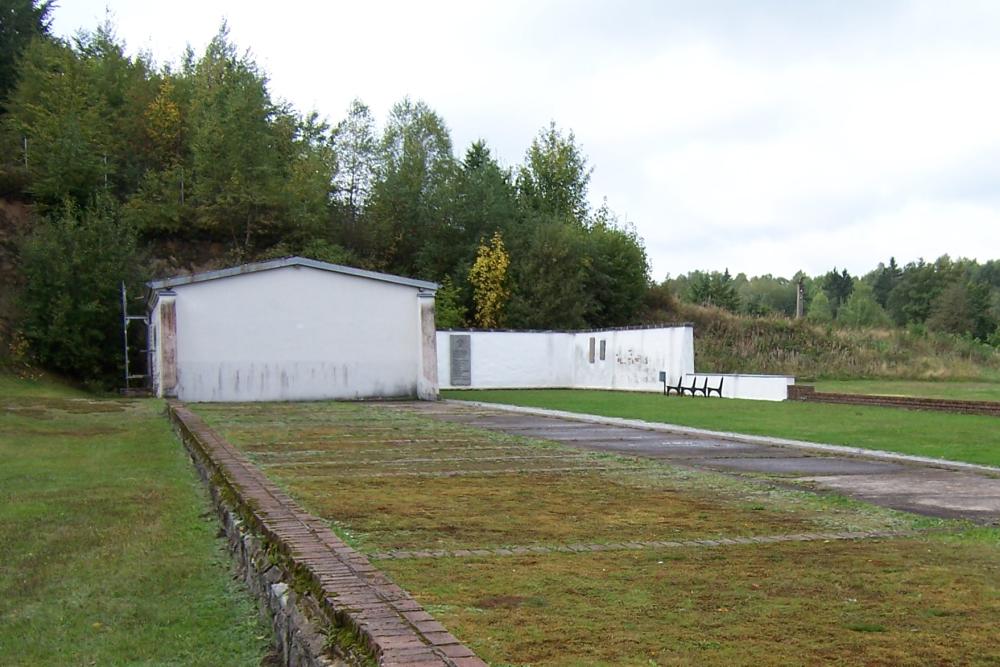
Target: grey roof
[{"x": 166, "y": 283}]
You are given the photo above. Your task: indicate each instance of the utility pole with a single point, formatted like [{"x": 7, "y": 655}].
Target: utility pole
[{"x": 799, "y": 299}]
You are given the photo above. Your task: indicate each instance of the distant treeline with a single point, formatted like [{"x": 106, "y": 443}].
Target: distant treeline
[
  {"x": 134, "y": 169},
  {"x": 960, "y": 297}
]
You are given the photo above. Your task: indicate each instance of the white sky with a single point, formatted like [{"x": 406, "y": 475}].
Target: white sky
[{"x": 761, "y": 136}]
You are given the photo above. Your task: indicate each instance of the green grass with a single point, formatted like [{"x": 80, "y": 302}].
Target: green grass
[
  {"x": 933, "y": 598},
  {"x": 970, "y": 438},
  {"x": 110, "y": 554},
  {"x": 964, "y": 391},
  {"x": 344, "y": 462},
  {"x": 897, "y": 602},
  {"x": 38, "y": 385}
]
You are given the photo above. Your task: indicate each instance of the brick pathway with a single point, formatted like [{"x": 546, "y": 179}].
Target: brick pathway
[
  {"x": 808, "y": 393},
  {"x": 396, "y": 628}
]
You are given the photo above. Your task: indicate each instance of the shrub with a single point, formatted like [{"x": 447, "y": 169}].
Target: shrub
[{"x": 73, "y": 264}]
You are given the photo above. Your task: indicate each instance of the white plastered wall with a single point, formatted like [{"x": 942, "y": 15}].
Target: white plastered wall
[
  {"x": 633, "y": 358},
  {"x": 297, "y": 333},
  {"x": 511, "y": 359}
]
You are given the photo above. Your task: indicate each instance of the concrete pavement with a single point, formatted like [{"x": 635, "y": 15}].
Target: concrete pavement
[{"x": 901, "y": 482}]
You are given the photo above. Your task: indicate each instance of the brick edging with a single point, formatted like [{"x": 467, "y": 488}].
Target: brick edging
[
  {"x": 809, "y": 393},
  {"x": 350, "y": 591}
]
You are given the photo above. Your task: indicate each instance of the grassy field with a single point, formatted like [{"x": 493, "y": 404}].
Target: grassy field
[
  {"x": 971, "y": 438},
  {"x": 387, "y": 478},
  {"x": 109, "y": 546},
  {"x": 964, "y": 391}
]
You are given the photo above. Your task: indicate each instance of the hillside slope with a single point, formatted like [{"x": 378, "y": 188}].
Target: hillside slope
[{"x": 728, "y": 343}]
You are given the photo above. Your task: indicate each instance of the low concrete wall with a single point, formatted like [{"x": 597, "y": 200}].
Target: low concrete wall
[{"x": 747, "y": 386}]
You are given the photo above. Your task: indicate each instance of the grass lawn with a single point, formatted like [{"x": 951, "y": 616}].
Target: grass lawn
[
  {"x": 109, "y": 546},
  {"x": 387, "y": 477},
  {"x": 964, "y": 391},
  {"x": 971, "y": 438},
  {"x": 903, "y": 602}
]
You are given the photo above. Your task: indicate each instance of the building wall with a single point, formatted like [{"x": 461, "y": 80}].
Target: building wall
[
  {"x": 511, "y": 359},
  {"x": 297, "y": 333},
  {"x": 633, "y": 358}
]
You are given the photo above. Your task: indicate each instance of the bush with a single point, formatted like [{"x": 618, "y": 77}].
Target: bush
[
  {"x": 73, "y": 264},
  {"x": 14, "y": 182}
]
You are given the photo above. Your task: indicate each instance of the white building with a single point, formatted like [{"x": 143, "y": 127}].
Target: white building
[{"x": 292, "y": 329}]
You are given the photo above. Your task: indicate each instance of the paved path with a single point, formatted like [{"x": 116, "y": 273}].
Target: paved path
[{"x": 920, "y": 487}]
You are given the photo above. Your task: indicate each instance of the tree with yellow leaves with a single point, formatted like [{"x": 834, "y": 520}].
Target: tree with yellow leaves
[{"x": 488, "y": 277}]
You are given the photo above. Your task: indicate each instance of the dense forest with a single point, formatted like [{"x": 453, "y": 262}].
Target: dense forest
[{"x": 117, "y": 169}]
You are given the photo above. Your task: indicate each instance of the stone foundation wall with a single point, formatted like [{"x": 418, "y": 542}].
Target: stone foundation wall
[
  {"x": 286, "y": 549},
  {"x": 297, "y": 622}
]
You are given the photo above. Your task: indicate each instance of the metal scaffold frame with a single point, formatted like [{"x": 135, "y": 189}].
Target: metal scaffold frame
[{"x": 126, "y": 320}]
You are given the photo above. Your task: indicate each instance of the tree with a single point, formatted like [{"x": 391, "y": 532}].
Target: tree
[
  {"x": 618, "y": 275},
  {"x": 57, "y": 109},
  {"x": 484, "y": 199},
  {"x": 761, "y": 295},
  {"x": 862, "y": 310},
  {"x": 161, "y": 205},
  {"x": 311, "y": 167},
  {"x": 20, "y": 22},
  {"x": 714, "y": 289},
  {"x": 408, "y": 213},
  {"x": 549, "y": 269},
  {"x": 126, "y": 89},
  {"x": 449, "y": 313},
  {"x": 356, "y": 149},
  {"x": 819, "y": 310},
  {"x": 489, "y": 280},
  {"x": 73, "y": 264},
  {"x": 884, "y": 279},
  {"x": 962, "y": 308},
  {"x": 911, "y": 300},
  {"x": 838, "y": 287},
  {"x": 554, "y": 178},
  {"x": 241, "y": 147}
]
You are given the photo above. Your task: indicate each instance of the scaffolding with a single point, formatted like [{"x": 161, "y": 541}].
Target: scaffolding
[{"x": 131, "y": 377}]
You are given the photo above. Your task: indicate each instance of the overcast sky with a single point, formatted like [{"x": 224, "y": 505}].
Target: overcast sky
[{"x": 762, "y": 137}]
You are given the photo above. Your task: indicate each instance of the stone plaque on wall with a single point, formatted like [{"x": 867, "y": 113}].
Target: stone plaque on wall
[{"x": 461, "y": 360}]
